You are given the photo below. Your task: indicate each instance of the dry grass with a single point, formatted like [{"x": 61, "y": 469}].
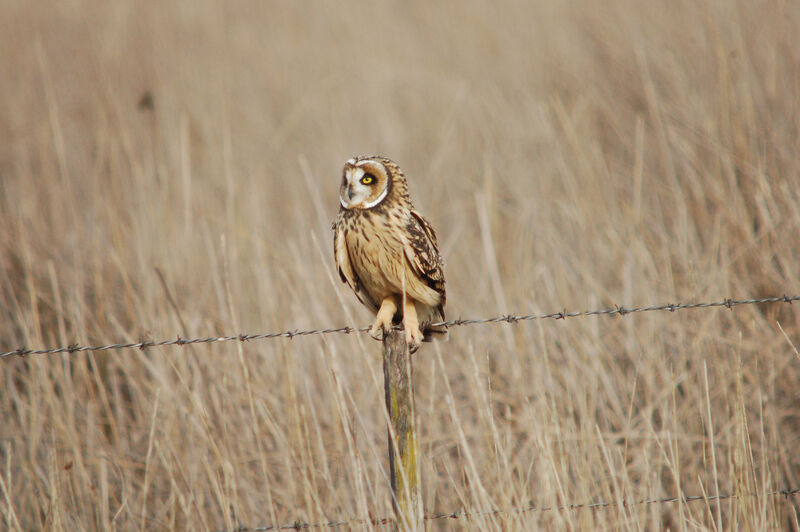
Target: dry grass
[{"x": 571, "y": 155}]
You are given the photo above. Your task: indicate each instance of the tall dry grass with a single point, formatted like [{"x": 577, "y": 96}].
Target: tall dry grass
[{"x": 571, "y": 155}]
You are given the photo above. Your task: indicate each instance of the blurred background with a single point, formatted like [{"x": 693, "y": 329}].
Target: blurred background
[{"x": 172, "y": 169}]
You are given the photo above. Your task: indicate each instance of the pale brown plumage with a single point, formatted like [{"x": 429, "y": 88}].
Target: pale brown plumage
[{"x": 381, "y": 245}]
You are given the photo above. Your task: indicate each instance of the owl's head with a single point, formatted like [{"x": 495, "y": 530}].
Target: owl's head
[{"x": 370, "y": 181}]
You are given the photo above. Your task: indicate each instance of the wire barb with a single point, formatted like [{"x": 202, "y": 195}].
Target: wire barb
[{"x": 506, "y": 318}]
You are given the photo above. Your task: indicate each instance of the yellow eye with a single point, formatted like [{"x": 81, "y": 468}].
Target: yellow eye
[{"x": 367, "y": 179}]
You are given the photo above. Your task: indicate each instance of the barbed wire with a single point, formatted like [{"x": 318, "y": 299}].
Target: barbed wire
[
  {"x": 507, "y": 318},
  {"x": 464, "y": 514}
]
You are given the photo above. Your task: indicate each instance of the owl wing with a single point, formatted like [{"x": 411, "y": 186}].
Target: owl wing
[
  {"x": 345, "y": 266},
  {"x": 422, "y": 252}
]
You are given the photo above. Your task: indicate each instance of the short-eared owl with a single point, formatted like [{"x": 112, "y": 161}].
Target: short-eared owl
[{"x": 385, "y": 249}]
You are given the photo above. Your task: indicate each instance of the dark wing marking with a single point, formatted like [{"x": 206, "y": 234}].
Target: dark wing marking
[{"x": 423, "y": 254}]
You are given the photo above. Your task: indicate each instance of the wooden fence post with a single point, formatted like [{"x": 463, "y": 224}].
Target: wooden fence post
[{"x": 403, "y": 447}]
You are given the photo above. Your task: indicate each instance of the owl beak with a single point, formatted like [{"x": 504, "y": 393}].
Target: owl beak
[{"x": 349, "y": 193}]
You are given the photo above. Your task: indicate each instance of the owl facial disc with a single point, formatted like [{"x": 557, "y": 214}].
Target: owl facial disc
[{"x": 365, "y": 184}]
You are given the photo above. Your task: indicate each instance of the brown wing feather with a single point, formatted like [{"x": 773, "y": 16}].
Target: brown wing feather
[
  {"x": 422, "y": 253},
  {"x": 345, "y": 266}
]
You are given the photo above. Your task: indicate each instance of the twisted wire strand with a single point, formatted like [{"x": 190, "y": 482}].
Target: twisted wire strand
[
  {"x": 464, "y": 514},
  {"x": 507, "y": 318}
]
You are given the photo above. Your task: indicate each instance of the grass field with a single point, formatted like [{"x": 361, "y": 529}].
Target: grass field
[{"x": 172, "y": 169}]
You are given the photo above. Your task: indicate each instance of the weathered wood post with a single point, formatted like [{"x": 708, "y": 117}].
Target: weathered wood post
[{"x": 403, "y": 447}]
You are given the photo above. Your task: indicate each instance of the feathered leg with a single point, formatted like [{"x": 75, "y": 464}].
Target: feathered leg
[
  {"x": 411, "y": 325},
  {"x": 383, "y": 321}
]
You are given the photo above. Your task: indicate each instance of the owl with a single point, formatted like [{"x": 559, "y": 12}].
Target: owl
[{"x": 387, "y": 252}]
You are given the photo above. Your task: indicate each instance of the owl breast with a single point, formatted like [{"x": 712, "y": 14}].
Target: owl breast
[{"x": 377, "y": 252}]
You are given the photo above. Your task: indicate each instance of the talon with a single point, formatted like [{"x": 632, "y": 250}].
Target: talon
[
  {"x": 413, "y": 338},
  {"x": 411, "y": 324},
  {"x": 379, "y": 329},
  {"x": 383, "y": 321}
]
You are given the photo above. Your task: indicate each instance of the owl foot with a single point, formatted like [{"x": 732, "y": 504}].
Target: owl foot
[
  {"x": 383, "y": 321},
  {"x": 411, "y": 324},
  {"x": 380, "y": 328},
  {"x": 413, "y": 338}
]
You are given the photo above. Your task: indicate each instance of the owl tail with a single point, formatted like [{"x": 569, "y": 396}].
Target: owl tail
[{"x": 439, "y": 333}]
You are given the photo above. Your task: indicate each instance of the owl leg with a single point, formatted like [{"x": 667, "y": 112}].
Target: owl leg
[
  {"x": 383, "y": 321},
  {"x": 411, "y": 325}
]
